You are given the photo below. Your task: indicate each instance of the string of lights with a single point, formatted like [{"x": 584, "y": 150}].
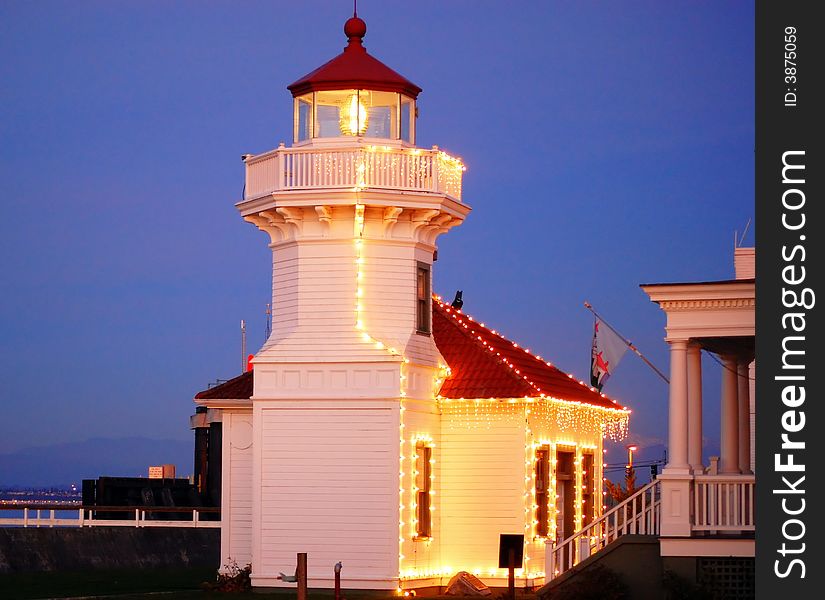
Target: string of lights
[
  {"x": 572, "y": 420},
  {"x": 371, "y": 167},
  {"x": 568, "y": 417}
]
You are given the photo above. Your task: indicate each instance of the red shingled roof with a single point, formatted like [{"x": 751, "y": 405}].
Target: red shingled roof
[
  {"x": 239, "y": 388},
  {"x": 354, "y": 69},
  {"x": 482, "y": 364}
]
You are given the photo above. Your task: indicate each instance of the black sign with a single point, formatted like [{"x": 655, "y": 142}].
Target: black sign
[{"x": 507, "y": 542}]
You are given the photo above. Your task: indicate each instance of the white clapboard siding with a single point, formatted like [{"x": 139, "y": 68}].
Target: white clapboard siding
[
  {"x": 236, "y": 488},
  {"x": 314, "y": 301},
  {"x": 341, "y": 381},
  {"x": 482, "y": 487},
  {"x": 390, "y": 287},
  {"x": 421, "y": 421},
  {"x": 329, "y": 488},
  {"x": 543, "y": 432}
]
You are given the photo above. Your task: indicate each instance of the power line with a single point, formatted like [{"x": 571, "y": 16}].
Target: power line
[
  {"x": 644, "y": 463},
  {"x": 724, "y": 366}
]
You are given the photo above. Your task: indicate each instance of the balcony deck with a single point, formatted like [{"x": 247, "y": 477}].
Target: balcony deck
[{"x": 361, "y": 167}]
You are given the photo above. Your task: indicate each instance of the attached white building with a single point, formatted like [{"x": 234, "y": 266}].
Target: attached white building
[
  {"x": 708, "y": 510},
  {"x": 691, "y": 530},
  {"x": 381, "y": 427}
]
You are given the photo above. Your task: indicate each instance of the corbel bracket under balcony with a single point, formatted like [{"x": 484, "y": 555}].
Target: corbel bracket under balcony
[
  {"x": 324, "y": 217},
  {"x": 391, "y": 214}
]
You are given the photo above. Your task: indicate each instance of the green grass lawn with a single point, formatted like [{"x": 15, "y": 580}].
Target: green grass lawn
[{"x": 178, "y": 584}]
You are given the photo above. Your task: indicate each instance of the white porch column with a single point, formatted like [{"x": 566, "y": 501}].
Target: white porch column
[
  {"x": 729, "y": 462},
  {"x": 743, "y": 395},
  {"x": 676, "y": 476},
  {"x": 752, "y": 398},
  {"x": 678, "y": 413},
  {"x": 694, "y": 377}
]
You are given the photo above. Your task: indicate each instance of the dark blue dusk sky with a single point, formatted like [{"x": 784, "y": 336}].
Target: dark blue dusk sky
[{"x": 608, "y": 144}]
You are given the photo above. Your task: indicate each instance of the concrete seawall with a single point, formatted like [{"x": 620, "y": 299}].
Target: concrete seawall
[{"x": 91, "y": 548}]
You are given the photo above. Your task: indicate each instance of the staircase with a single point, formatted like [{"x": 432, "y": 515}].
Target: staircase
[{"x": 637, "y": 515}]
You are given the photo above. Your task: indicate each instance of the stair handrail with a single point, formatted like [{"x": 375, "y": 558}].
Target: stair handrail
[{"x": 644, "y": 521}]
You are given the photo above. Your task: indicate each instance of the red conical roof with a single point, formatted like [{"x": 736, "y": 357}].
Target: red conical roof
[{"x": 354, "y": 69}]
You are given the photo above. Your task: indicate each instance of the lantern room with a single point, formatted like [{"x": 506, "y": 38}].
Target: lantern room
[{"x": 354, "y": 95}]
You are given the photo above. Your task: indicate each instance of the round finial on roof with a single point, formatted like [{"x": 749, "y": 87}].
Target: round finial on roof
[{"x": 355, "y": 28}]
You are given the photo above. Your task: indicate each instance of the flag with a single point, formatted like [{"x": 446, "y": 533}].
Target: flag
[{"x": 608, "y": 349}]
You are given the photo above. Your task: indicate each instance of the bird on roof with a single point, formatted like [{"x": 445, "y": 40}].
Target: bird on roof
[{"x": 458, "y": 302}]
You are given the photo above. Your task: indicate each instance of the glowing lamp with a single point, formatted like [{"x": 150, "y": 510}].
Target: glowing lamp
[
  {"x": 631, "y": 448},
  {"x": 353, "y": 116}
]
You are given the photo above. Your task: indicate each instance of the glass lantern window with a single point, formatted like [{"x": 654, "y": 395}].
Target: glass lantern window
[
  {"x": 368, "y": 113},
  {"x": 339, "y": 113},
  {"x": 303, "y": 118},
  {"x": 329, "y": 111},
  {"x": 382, "y": 111},
  {"x": 407, "y": 119}
]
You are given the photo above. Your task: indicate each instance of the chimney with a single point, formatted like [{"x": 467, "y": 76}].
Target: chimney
[{"x": 744, "y": 263}]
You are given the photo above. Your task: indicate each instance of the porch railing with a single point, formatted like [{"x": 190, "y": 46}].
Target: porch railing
[
  {"x": 407, "y": 169},
  {"x": 75, "y": 515},
  {"x": 723, "y": 503},
  {"x": 638, "y": 514}
]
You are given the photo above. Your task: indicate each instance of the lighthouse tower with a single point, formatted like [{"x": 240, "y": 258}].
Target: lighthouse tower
[{"x": 344, "y": 425}]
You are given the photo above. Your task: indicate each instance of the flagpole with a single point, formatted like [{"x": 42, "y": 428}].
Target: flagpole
[{"x": 627, "y": 342}]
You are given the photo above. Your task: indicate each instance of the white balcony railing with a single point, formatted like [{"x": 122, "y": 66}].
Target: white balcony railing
[
  {"x": 74, "y": 515},
  {"x": 408, "y": 169},
  {"x": 723, "y": 503}
]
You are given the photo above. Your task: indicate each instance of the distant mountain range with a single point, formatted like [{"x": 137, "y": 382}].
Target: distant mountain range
[{"x": 64, "y": 464}]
